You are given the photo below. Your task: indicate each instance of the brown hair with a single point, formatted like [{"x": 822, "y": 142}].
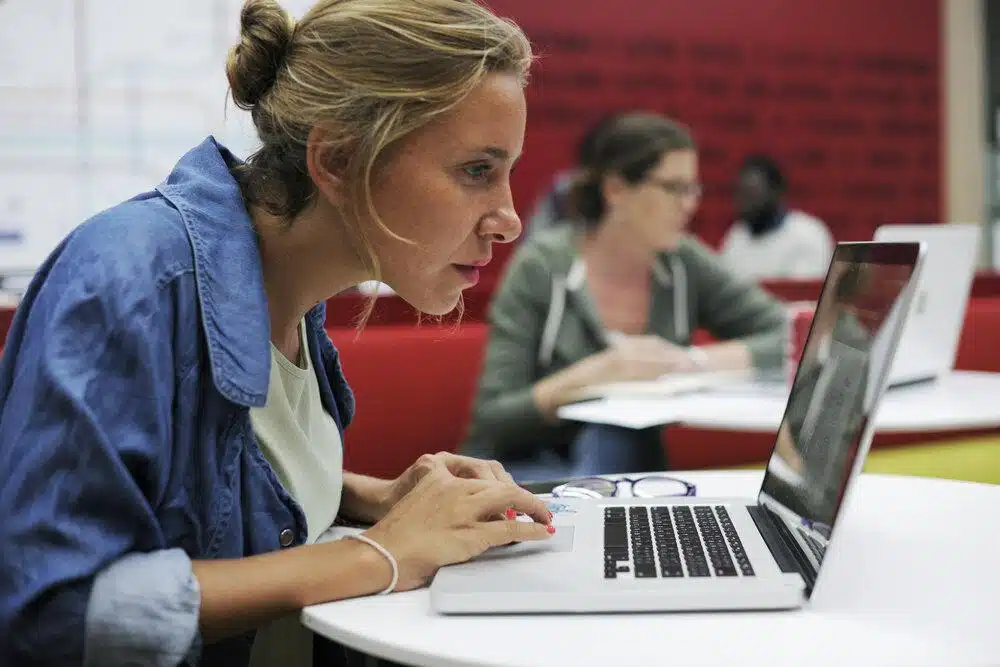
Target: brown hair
[
  {"x": 630, "y": 145},
  {"x": 370, "y": 72}
]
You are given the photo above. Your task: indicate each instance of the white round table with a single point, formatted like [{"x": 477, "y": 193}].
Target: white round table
[
  {"x": 961, "y": 400},
  {"x": 911, "y": 578}
]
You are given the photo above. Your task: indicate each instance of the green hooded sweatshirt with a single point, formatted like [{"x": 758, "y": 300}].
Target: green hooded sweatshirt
[{"x": 542, "y": 320}]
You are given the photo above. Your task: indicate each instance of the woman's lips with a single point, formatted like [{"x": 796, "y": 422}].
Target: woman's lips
[
  {"x": 469, "y": 273},
  {"x": 470, "y": 270}
]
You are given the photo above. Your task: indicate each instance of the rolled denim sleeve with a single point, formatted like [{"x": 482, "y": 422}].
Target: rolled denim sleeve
[
  {"x": 86, "y": 402},
  {"x": 136, "y": 619}
]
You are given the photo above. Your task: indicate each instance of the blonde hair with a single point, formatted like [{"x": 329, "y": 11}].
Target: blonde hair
[{"x": 370, "y": 72}]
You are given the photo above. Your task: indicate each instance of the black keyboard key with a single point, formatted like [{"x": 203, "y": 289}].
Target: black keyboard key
[{"x": 645, "y": 571}]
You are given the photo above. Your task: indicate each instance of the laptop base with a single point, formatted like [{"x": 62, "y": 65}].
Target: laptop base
[{"x": 566, "y": 574}]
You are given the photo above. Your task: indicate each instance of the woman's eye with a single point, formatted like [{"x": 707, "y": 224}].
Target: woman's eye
[{"x": 477, "y": 172}]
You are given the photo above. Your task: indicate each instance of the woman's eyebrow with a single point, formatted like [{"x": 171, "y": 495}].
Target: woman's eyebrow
[{"x": 498, "y": 153}]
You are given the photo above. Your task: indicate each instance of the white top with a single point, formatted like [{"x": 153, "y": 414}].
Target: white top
[
  {"x": 960, "y": 400},
  {"x": 910, "y": 579},
  {"x": 800, "y": 248},
  {"x": 301, "y": 441}
]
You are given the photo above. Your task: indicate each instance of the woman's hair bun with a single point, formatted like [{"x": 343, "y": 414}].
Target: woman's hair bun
[
  {"x": 252, "y": 67},
  {"x": 584, "y": 200}
]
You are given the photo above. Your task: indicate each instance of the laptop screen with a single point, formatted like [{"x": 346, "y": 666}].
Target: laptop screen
[{"x": 836, "y": 388}]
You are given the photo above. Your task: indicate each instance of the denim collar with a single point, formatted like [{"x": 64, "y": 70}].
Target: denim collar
[{"x": 228, "y": 271}]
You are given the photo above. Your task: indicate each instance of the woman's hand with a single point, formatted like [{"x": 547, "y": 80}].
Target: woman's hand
[
  {"x": 643, "y": 358},
  {"x": 454, "y": 464},
  {"x": 447, "y": 519},
  {"x": 629, "y": 358}
]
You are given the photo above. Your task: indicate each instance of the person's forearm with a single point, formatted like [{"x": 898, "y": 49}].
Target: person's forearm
[
  {"x": 364, "y": 498},
  {"x": 242, "y": 594},
  {"x": 731, "y": 355},
  {"x": 556, "y": 390}
]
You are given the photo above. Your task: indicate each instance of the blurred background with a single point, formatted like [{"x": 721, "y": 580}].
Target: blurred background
[{"x": 878, "y": 112}]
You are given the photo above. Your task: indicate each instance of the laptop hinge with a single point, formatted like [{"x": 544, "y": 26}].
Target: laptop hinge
[{"x": 786, "y": 551}]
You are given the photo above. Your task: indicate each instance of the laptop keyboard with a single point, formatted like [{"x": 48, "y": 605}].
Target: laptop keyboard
[
  {"x": 672, "y": 541},
  {"x": 814, "y": 545}
]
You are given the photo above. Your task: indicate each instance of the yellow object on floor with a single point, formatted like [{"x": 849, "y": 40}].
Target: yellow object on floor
[{"x": 970, "y": 460}]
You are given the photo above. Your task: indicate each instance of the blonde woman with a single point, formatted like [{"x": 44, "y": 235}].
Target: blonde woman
[{"x": 172, "y": 410}]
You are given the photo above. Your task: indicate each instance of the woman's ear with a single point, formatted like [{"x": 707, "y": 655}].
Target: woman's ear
[
  {"x": 613, "y": 186},
  {"x": 326, "y": 163}
]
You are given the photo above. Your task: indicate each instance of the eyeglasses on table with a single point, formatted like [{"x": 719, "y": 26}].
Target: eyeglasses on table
[{"x": 653, "y": 485}]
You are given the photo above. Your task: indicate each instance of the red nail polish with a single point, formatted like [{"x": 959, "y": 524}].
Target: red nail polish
[
  {"x": 511, "y": 514},
  {"x": 550, "y": 528}
]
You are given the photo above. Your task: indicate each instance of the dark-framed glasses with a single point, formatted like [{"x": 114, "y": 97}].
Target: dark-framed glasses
[
  {"x": 679, "y": 188},
  {"x": 646, "y": 486}
]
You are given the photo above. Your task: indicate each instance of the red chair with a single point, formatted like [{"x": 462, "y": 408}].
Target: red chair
[{"x": 413, "y": 387}]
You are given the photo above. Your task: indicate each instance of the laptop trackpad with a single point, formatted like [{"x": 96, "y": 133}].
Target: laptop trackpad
[{"x": 562, "y": 541}]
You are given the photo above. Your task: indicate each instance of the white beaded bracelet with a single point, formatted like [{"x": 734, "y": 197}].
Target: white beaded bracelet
[{"x": 388, "y": 556}]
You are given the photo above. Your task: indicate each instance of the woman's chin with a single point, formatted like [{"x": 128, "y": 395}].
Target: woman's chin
[
  {"x": 434, "y": 303},
  {"x": 439, "y": 309}
]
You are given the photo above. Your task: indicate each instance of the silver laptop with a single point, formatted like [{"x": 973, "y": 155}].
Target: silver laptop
[
  {"x": 691, "y": 553},
  {"x": 930, "y": 339}
]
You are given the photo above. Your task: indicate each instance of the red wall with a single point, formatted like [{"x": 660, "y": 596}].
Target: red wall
[{"x": 845, "y": 93}]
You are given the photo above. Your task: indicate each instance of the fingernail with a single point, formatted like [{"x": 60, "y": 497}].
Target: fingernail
[
  {"x": 510, "y": 513},
  {"x": 550, "y": 528}
]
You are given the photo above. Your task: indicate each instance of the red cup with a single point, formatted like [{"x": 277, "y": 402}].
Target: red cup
[{"x": 800, "y": 317}]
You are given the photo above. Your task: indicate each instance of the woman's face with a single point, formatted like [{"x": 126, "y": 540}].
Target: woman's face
[
  {"x": 446, "y": 188},
  {"x": 658, "y": 208}
]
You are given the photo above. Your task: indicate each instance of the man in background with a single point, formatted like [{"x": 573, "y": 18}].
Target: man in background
[{"x": 770, "y": 240}]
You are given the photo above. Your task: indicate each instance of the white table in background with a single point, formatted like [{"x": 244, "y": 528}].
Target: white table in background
[
  {"x": 910, "y": 579},
  {"x": 961, "y": 400}
]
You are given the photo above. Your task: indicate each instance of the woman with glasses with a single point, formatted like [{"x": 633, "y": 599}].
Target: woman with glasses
[{"x": 616, "y": 296}]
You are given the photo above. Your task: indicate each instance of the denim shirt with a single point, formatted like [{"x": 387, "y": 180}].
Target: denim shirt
[{"x": 126, "y": 448}]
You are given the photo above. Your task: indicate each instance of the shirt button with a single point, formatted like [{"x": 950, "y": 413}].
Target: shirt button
[{"x": 286, "y": 537}]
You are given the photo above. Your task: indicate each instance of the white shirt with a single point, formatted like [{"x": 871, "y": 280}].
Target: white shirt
[
  {"x": 302, "y": 443},
  {"x": 801, "y": 247}
]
